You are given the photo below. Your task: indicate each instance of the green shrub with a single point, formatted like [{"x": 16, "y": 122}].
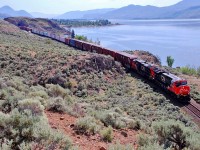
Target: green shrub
[
  {"x": 135, "y": 125},
  {"x": 32, "y": 105},
  {"x": 152, "y": 146},
  {"x": 57, "y": 104},
  {"x": 119, "y": 146},
  {"x": 48, "y": 41},
  {"x": 144, "y": 139},
  {"x": 41, "y": 94},
  {"x": 107, "y": 134},
  {"x": 188, "y": 70},
  {"x": 10, "y": 103},
  {"x": 87, "y": 125},
  {"x": 21, "y": 128},
  {"x": 57, "y": 91},
  {"x": 174, "y": 133},
  {"x": 195, "y": 94},
  {"x": 6, "y": 144},
  {"x": 194, "y": 141},
  {"x": 111, "y": 118}
]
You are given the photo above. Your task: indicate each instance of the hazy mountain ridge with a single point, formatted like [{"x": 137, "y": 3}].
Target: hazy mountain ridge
[
  {"x": 89, "y": 14},
  {"x": 182, "y": 10},
  {"x": 178, "y": 10},
  {"x": 8, "y": 11}
]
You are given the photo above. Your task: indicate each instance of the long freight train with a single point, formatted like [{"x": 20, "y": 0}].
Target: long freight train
[{"x": 170, "y": 82}]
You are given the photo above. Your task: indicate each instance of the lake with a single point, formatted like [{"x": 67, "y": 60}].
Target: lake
[{"x": 177, "y": 38}]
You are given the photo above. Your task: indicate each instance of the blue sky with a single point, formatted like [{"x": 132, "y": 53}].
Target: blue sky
[{"x": 62, "y": 6}]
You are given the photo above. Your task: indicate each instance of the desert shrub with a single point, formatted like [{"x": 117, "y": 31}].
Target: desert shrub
[
  {"x": 77, "y": 110},
  {"x": 119, "y": 146},
  {"x": 18, "y": 125},
  {"x": 107, "y": 134},
  {"x": 188, "y": 70},
  {"x": 195, "y": 94},
  {"x": 135, "y": 125},
  {"x": 144, "y": 139},
  {"x": 6, "y": 144},
  {"x": 87, "y": 125},
  {"x": 111, "y": 118},
  {"x": 194, "y": 141},
  {"x": 32, "y": 105},
  {"x": 48, "y": 41},
  {"x": 174, "y": 134},
  {"x": 41, "y": 94},
  {"x": 21, "y": 128},
  {"x": 10, "y": 103},
  {"x": 152, "y": 146},
  {"x": 57, "y": 91},
  {"x": 3, "y": 94},
  {"x": 57, "y": 104}
]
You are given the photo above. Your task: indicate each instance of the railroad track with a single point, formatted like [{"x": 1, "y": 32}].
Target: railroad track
[{"x": 194, "y": 110}]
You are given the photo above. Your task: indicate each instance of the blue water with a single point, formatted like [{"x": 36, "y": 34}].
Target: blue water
[{"x": 177, "y": 38}]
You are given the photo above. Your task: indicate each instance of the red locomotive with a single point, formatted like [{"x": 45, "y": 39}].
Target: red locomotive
[{"x": 163, "y": 78}]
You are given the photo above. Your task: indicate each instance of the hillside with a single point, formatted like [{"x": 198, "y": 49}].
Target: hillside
[
  {"x": 37, "y": 23},
  {"x": 56, "y": 97},
  {"x": 8, "y": 11}
]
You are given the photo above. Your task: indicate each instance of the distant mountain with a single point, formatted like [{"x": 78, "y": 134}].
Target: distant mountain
[
  {"x": 132, "y": 12},
  {"x": 8, "y": 11},
  {"x": 42, "y": 15},
  {"x": 183, "y": 9},
  {"x": 193, "y": 12},
  {"x": 89, "y": 14}
]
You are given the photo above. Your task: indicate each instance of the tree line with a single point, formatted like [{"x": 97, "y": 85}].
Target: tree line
[{"x": 79, "y": 23}]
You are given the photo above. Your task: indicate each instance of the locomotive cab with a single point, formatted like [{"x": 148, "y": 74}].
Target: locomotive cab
[{"x": 180, "y": 88}]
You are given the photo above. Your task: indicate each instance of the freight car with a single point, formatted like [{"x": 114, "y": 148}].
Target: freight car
[{"x": 168, "y": 81}]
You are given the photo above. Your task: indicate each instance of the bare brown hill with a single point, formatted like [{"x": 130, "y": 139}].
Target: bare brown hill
[{"x": 37, "y": 23}]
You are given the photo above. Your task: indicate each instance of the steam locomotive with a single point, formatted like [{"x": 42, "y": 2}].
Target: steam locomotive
[{"x": 175, "y": 85}]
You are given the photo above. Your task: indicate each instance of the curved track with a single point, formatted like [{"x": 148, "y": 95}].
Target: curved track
[{"x": 194, "y": 110}]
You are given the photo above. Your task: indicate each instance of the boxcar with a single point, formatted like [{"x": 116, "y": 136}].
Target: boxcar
[
  {"x": 125, "y": 58},
  {"x": 79, "y": 44},
  {"x": 67, "y": 41},
  {"x": 110, "y": 52},
  {"x": 72, "y": 42},
  {"x": 87, "y": 46},
  {"x": 97, "y": 49}
]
